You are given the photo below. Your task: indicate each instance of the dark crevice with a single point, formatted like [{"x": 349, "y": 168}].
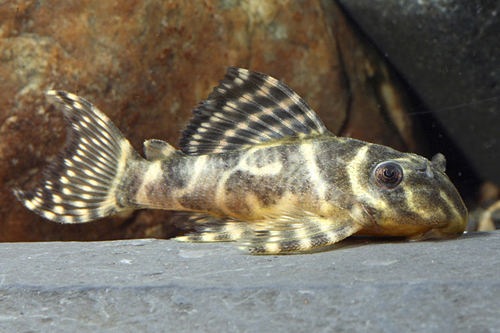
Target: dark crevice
[
  {"x": 376, "y": 83},
  {"x": 432, "y": 135},
  {"x": 347, "y": 84}
]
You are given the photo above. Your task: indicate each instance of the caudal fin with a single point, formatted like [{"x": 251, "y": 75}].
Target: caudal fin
[{"x": 83, "y": 184}]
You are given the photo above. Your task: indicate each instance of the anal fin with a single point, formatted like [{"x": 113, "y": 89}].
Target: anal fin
[{"x": 210, "y": 228}]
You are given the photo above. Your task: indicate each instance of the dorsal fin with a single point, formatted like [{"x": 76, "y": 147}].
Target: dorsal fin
[{"x": 245, "y": 109}]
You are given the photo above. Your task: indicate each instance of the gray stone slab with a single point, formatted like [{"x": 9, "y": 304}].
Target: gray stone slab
[
  {"x": 449, "y": 51},
  {"x": 160, "y": 285}
]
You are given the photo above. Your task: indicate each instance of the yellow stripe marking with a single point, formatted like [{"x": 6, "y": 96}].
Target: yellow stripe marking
[
  {"x": 424, "y": 212},
  {"x": 450, "y": 204},
  {"x": 355, "y": 172},
  {"x": 307, "y": 151},
  {"x": 199, "y": 167},
  {"x": 120, "y": 170},
  {"x": 151, "y": 176}
]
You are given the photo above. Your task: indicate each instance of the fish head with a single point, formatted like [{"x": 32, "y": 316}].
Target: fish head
[{"x": 409, "y": 195}]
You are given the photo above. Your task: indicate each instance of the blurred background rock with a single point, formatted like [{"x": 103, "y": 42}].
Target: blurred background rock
[{"x": 147, "y": 63}]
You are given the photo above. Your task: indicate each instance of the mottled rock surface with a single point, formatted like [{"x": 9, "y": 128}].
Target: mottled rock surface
[
  {"x": 449, "y": 51},
  {"x": 147, "y": 63},
  {"x": 161, "y": 285}
]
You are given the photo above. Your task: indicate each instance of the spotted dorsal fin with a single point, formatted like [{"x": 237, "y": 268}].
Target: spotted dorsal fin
[{"x": 245, "y": 109}]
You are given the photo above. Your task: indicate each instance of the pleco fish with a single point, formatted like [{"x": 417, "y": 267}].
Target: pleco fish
[{"x": 257, "y": 166}]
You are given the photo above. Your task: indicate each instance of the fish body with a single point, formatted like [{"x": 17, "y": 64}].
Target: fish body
[{"x": 256, "y": 166}]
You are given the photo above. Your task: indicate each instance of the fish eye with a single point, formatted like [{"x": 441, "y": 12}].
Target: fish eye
[{"x": 388, "y": 175}]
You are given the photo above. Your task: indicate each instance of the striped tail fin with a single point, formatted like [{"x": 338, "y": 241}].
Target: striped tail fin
[{"x": 83, "y": 184}]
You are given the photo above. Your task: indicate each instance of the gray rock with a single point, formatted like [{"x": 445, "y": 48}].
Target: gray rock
[
  {"x": 449, "y": 51},
  {"x": 159, "y": 285}
]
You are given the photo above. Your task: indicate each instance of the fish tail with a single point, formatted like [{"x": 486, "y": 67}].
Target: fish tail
[{"x": 85, "y": 182}]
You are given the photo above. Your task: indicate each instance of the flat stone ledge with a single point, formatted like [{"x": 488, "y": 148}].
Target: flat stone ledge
[{"x": 156, "y": 285}]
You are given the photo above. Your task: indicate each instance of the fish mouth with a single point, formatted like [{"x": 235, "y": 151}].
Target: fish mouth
[
  {"x": 434, "y": 234},
  {"x": 413, "y": 232},
  {"x": 452, "y": 229}
]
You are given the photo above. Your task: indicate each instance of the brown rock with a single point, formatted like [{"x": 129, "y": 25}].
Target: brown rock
[{"x": 147, "y": 63}]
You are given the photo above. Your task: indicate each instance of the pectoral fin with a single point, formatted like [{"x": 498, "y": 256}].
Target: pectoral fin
[
  {"x": 297, "y": 232},
  {"x": 278, "y": 233}
]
